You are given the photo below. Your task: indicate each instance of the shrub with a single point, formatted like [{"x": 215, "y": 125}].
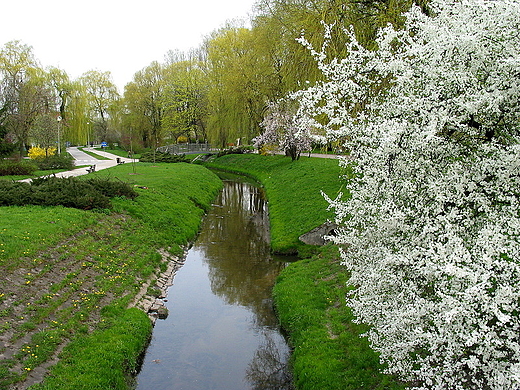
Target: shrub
[
  {"x": 36, "y": 152},
  {"x": 234, "y": 150},
  {"x": 430, "y": 234},
  {"x": 163, "y": 157},
  {"x": 112, "y": 188},
  {"x": 68, "y": 192},
  {"x": 268, "y": 149},
  {"x": 8, "y": 168},
  {"x": 14, "y": 193},
  {"x": 55, "y": 162}
]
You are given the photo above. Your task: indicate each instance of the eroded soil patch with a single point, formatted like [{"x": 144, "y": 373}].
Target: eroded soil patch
[{"x": 60, "y": 293}]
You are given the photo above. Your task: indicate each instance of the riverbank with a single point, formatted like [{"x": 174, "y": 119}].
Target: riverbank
[
  {"x": 328, "y": 350},
  {"x": 296, "y": 205},
  {"x": 70, "y": 276}
]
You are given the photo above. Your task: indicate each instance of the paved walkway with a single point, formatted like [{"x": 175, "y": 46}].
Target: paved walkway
[{"x": 82, "y": 158}]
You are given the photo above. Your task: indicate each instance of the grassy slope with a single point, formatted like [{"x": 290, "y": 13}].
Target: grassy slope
[
  {"x": 328, "y": 352},
  {"x": 79, "y": 290},
  {"x": 296, "y": 205}
]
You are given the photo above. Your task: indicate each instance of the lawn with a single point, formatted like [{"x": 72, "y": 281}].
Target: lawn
[
  {"x": 296, "y": 204},
  {"x": 69, "y": 277},
  {"x": 329, "y": 351}
]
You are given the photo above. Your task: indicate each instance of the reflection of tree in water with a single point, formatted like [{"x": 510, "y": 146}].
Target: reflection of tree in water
[
  {"x": 268, "y": 369},
  {"x": 235, "y": 242}
]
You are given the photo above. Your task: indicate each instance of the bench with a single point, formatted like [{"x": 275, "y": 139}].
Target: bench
[{"x": 91, "y": 169}]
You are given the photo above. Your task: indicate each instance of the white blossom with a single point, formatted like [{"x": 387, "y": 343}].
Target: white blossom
[
  {"x": 281, "y": 130},
  {"x": 431, "y": 233}
]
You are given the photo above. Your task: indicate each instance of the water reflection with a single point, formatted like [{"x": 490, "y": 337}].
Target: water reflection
[
  {"x": 268, "y": 369},
  {"x": 235, "y": 242},
  {"x": 221, "y": 332}
]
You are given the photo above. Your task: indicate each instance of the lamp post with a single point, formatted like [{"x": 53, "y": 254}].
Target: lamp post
[
  {"x": 59, "y": 141},
  {"x": 88, "y": 133}
]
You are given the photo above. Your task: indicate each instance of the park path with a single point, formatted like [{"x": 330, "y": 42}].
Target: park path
[{"x": 81, "y": 159}]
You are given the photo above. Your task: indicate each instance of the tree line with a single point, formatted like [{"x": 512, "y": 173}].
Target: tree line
[{"x": 217, "y": 93}]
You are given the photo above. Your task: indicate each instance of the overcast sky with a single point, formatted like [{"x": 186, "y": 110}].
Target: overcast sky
[{"x": 120, "y": 36}]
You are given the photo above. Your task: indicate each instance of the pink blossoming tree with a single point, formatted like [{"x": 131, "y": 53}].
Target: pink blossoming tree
[{"x": 281, "y": 130}]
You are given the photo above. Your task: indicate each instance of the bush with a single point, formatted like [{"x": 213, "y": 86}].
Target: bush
[
  {"x": 14, "y": 193},
  {"x": 36, "y": 152},
  {"x": 63, "y": 161},
  {"x": 112, "y": 188},
  {"x": 68, "y": 192},
  {"x": 235, "y": 150},
  {"x": 9, "y": 168},
  {"x": 163, "y": 157}
]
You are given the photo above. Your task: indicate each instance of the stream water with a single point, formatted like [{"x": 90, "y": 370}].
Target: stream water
[{"x": 221, "y": 331}]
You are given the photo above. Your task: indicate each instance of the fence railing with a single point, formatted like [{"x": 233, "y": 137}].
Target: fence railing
[{"x": 186, "y": 148}]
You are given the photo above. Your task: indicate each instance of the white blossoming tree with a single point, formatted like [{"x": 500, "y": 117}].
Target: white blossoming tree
[
  {"x": 431, "y": 233},
  {"x": 281, "y": 130}
]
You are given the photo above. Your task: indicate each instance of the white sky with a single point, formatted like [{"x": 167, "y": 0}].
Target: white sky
[{"x": 120, "y": 36}]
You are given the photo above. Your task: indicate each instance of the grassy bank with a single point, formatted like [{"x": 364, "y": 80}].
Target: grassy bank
[
  {"x": 119, "y": 152},
  {"x": 328, "y": 351},
  {"x": 296, "y": 205},
  {"x": 48, "y": 172},
  {"x": 69, "y": 276}
]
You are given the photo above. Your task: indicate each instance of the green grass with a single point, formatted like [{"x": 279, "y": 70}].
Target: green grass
[
  {"x": 95, "y": 155},
  {"x": 119, "y": 152},
  {"x": 167, "y": 187},
  {"x": 25, "y": 230},
  {"x": 328, "y": 351},
  {"x": 35, "y": 174},
  {"x": 296, "y": 205},
  {"x": 71, "y": 274},
  {"x": 94, "y": 362},
  {"x": 103, "y": 259}
]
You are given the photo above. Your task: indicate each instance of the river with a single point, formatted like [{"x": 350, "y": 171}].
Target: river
[{"x": 221, "y": 331}]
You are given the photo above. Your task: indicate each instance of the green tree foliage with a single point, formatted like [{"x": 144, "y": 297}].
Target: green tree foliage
[
  {"x": 33, "y": 98},
  {"x": 102, "y": 96},
  {"x": 22, "y": 91},
  {"x": 282, "y": 22},
  {"x": 71, "y": 106},
  {"x": 237, "y": 94},
  {"x": 250, "y": 67},
  {"x": 79, "y": 122},
  {"x": 44, "y": 130},
  {"x": 142, "y": 100},
  {"x": 185, "y": 99},
  {"x": 217, "y": 93}
]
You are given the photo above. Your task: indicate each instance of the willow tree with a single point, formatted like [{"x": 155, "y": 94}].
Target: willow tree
[
  {"x": 79, "y": 119},
  {"x": 102, "y": 95},
  {"x": 142, "y": 100},
  {"x": 185, "y": 99},
  {"x": 283, "y": 22},
  {"x": 61, "y": 87},
  {"x": 21, "y": 92},
  {"x": 236, "y": 94}
]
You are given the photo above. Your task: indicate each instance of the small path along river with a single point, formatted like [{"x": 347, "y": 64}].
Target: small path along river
[{"x": 221, "y": 332}]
